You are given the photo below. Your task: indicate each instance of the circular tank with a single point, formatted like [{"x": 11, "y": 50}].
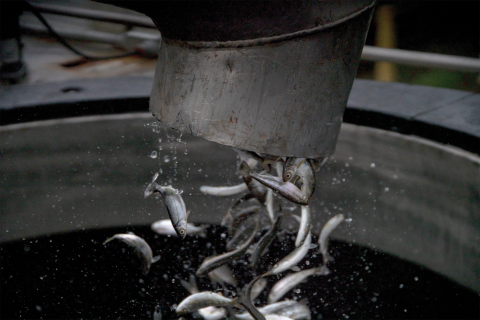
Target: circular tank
[{"x": 413, "y": 198}]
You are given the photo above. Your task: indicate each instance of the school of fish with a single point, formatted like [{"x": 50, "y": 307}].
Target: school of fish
[{"x": 294, "y": 181}]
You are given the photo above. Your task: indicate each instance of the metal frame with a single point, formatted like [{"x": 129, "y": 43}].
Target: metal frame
[{"x": 442, "y": 115}]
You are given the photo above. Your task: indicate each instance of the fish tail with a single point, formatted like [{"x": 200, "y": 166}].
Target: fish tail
[{"x": 322, "y": 271}]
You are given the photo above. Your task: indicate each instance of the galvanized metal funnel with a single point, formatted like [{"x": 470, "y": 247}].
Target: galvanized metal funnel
[{"x": 275, "y": 84}]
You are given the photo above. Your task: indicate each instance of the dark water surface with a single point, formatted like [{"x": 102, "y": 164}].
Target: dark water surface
[{"x": 74, "y": 276}]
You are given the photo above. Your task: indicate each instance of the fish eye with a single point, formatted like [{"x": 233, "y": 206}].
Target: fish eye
[
  {"x": 288, "y": 175},
  {"x": 182, "y": 231}
]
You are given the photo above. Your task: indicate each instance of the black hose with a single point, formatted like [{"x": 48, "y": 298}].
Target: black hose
[{"x": 65, "y": 43}]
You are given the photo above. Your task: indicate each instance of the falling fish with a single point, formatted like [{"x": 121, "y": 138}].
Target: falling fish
[
  {"x": 292, "y": 280},
  {"x": 224, "y": 191},
  {"x": 222, "y": 274},
  {"x": 241, "y": 234},
  {"x": 208, "y": 313},
  {"x": 265, "y": 241},
  {"x": 263, "y": 161},
  {"x": 293, "y": 258},
  {"x": 214, "y": 262},
  {"x": 326, "y": 230},
  {"x": 240, "y": 217},
  {"x": 165, "y": 227},
  {"x": 300, "y": 169},
  {"x": 174, "y": 203},
  {"x": 258, "y": 288},
  {"x": 286, "y": 189},
  {"x": 257, "y": 190},
  {"x": 268, "y": 309},
  {"x": 277, "y": 317},
  {"x": 143, "y": 250},
  {"x": 269, "y": 205},
  {"x": 297, "y": 311},
  {"x": 304, "y": 225},
  {"x": 205, "y": 299},
  {"x": 245, "y": 300}
]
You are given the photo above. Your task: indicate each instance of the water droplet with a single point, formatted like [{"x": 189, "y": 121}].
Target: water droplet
[
  {"x": 348, "y": 220},
  {"x": 374, "y": 299},
  {"x": 153, "y": 155},
  {"x": 400, "y": 286},
  {"x": 166, "y": 159},
  {"x": 38, "y": 308},
  {"x": 160, "y": 148},
  {"x": 416, "y": 278},
  {"x": 372, "y": 165},
  {"x": 387, "y": 189}
]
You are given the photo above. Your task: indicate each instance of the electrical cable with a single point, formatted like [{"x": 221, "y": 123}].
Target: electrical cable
[{"x": 65, "y": 43}]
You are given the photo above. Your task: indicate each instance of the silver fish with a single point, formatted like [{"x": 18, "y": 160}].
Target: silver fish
[
  {"x": 143, "y": 250},
  {"x": 246, "y": 301},
  {"x": 269, "y": 205},
  {"x": 256, "y": 189},
  {"x": 292, "y": 280},
  {"x": 293, "y": 258},
  {"x": 277, "y": 317},
  {"x": 269, "y": 309},
  {"x": 214, "y": 262},
  {"x": 297, "y": 311},
  {"x": 224, "y": 191},
  {"x": 265, "y": 162},
  {"x": 241, "y": 234},
  {"x": 286, "y": 189},
  {"x": 265, "y": 241},
  {"x": 228, "y": 218},
  {"x": 175, "y": 206},
  {"x": 300, "y": 170},
  {"x": 258, "y": 288},
  {"x": 222, "y": 274},
  {"x": 304, "y": 226},
  {"x": 204, "y": 299},
  {"x": 165, "y": 227},
  {"x": 241, "y": 217},
  {"x": 326, "y": 230},
  {"x": 208, "y": 313}
]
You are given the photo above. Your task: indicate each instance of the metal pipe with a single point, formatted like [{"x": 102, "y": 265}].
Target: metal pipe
[
  {"x": 98, "y": 15},
  {"x": 421, "y": 59}
]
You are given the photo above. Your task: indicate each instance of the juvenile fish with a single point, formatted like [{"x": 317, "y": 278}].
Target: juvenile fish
[
  {"x": 269, "y": 205},
  {"x": 292, "y": 280},
  {"x": 286, "y": 189},
  {"x": 165, "y": 227},
  {"x": 304, "y": 226},
  {"x": 326, "y": 230},
  {"x": 228, "y": 218},
  {"x": 293, "y": 258},
  {"x": 265, "y": 241},
  {"x": 300, "y": 169},
  {"x": 258, "y": 288},
  {"x": 222, "y": 274},
  {"x": 214, "y": 262},
  {"x": 277, "y": 317},
  {"x": 142, "y": 249},
  {"x": 297, "y": 311},
  {"x": 205, "y": 299},
  {"x": 241, "y": 234},
  {"x": 241, "y": 216},
  {"x": 268, "y": 309},
  {"x": 246, "y": 301},
  {"x": 256, "y": 189},
  {"x": 175, "y": 206},
  {"x": 224, "y": 191},
  {"x": 208, "y": 313},
  {"x": 265, "y": 162}
]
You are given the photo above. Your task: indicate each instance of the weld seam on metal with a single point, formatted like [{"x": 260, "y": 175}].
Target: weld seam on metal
[{"x": 265, "y": 40}]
